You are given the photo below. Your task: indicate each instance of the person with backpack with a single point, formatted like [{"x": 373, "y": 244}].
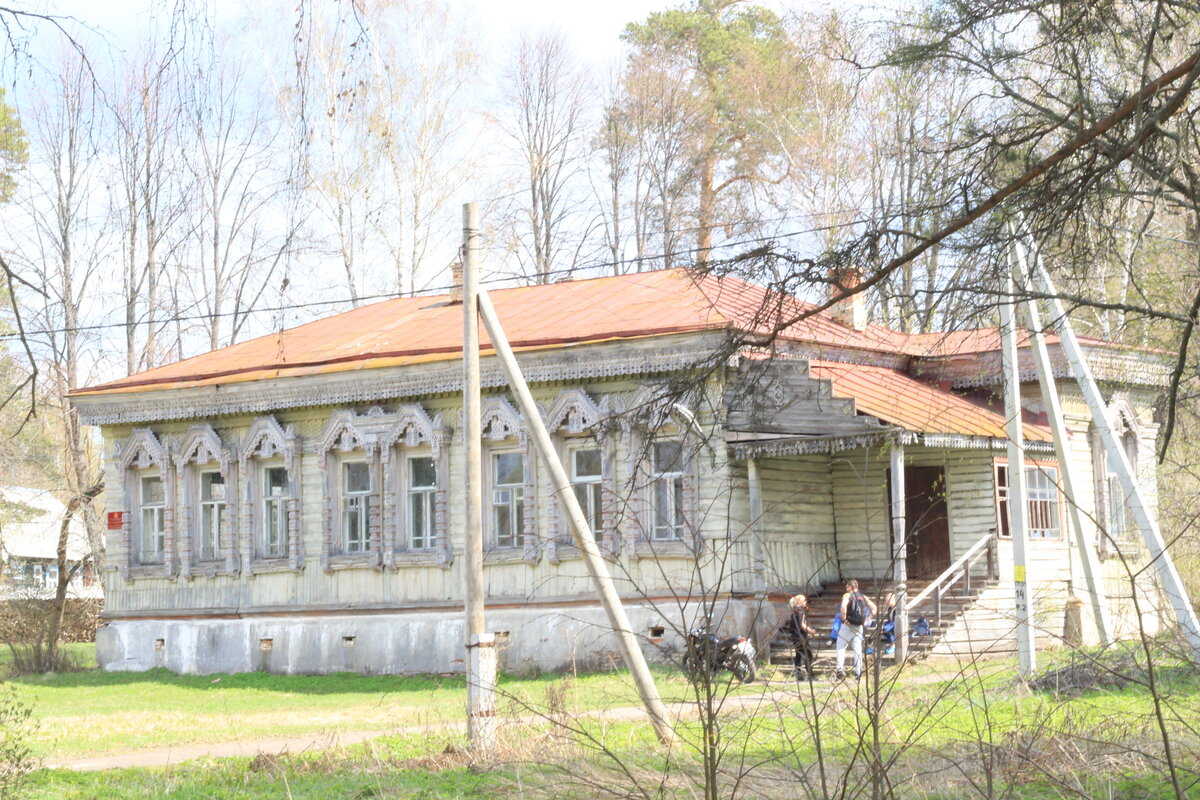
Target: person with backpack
[
  {"x": 798, "y": 630},
  {"x": 856, "y": 608}
]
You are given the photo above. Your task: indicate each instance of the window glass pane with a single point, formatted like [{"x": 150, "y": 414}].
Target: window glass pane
[
  {"x": 417, "y": 521},
  {"x": 421, "y": 472},
  {"x": 152, "y": 491},
  {"x": 276, "y": 482},
  {"x": 212, "y": 486},
  {"x": 357, "y": 477},
  {"x": 668, "y": 457},
  {"x": 508, "y": 469},
  {"x": 585, "y": 463}
]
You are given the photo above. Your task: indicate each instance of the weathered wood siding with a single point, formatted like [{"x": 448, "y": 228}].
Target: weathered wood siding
[{"x": 723, "y": 566}]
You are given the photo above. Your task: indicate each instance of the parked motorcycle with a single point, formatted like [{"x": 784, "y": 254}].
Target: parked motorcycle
[{"x": 707, "y": 653}]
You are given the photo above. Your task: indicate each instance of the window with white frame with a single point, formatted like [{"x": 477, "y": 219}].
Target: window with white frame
[
  {"x": 356, "y": 506},
  {"x": 587, "y": 473},
  {"x": 508, "y": 499},
  {"x": 1043, "y": 513},
  {"x": 152, "y": 502},
  {"x": 420, "y": 501},
  {"x": 273, "y": 536},
  {"x": 667, "y": 466},
  {"x": 212, "y": 518}
]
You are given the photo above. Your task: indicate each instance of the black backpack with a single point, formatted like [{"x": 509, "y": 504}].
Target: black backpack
[{"x": 857, "y": 610}]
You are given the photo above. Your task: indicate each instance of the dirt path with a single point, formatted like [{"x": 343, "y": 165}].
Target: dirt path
[{"x": 326, "y": 740}]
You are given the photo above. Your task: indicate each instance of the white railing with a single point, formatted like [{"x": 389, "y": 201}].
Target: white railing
[{"x": 957, "y": 574}]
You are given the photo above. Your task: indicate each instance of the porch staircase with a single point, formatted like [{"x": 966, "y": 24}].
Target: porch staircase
[{"x": 943, "y": 601}]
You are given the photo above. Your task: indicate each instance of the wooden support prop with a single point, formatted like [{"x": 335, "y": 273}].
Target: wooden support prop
[
  {"x": 1022, "y": 592},
  {"x": 585, "y": 540},
  {"x": 1168, "y": 575},
  {"x": 1092, "y": 574}
]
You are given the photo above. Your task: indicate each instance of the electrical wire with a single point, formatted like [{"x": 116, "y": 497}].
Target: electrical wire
[{"x": 425, "y": 291}]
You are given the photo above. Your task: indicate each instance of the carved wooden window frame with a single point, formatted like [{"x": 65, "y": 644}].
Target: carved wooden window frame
[
  {"x": 414, "y": 433},
  {"x": 343, "y": 441},
  {"x": 648, "y": 421},
  {"x": 577, "y": 422},
  {"x": 138, "y": 455},
  {"x": 268, "y": 444},
  {"x": 503, "y": 430},
  {"x": 202, "y": 447}
]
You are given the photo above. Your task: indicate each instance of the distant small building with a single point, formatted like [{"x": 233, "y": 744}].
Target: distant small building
[{"x": 30, "y": 521}]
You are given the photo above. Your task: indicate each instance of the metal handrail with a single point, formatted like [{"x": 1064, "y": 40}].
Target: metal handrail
[{"x": 960, "y": 570}]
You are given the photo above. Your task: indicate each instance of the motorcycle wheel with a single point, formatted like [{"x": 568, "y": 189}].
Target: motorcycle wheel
[
  {"x": 742, "y": 668},
  {"x": 691, "y": 666}
]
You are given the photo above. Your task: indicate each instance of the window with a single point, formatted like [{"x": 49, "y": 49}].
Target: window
[
  {"x": 508, "y": 499},
  {"x": 212, "y": 502},
  {"x": 422, "y": 489},
  {"x": 1042, "y": 512},
  {"x": 586, "y": 481},
  {"x": 667, "y": 470},
  {"x": 356, "y": 501},
  {"x": 274, "y": 534},
  {"x": 153, "y": 503}
]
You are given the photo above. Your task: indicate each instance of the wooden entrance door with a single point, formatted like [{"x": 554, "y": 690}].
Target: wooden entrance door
[{"x": 927, "y": 522}]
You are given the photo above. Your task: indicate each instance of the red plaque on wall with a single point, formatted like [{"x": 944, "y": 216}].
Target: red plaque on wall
[{"x": 115, "y": 519}]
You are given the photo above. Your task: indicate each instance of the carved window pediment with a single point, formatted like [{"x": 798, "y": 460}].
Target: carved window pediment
[
  {"x": 202, "y": 445},
  {"x": 142, "y": 450},
  {"x": 500, "y": 421},
  {"x": 267, "y": 439}
]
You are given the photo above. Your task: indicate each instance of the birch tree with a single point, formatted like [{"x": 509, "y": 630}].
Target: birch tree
[{"x": 545, "y": 112}]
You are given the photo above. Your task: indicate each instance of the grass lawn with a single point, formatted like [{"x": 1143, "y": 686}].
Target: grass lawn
[
  {"x": 92, "y": 712},
  {"x": 938, "y": 738}
]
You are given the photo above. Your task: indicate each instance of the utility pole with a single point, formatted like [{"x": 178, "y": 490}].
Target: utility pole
[
  {"x": 1022, "y": 596},
  {"x": 481, "y": 646},
  {"x": 585, "y": 540},
  {"x": 1168, "y": 575},
  {"x": 1087, "y": 551}
]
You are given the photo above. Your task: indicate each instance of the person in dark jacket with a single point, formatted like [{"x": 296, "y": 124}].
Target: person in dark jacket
[{"x": 798, "y": 631}]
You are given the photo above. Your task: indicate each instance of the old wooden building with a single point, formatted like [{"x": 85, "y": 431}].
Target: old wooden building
[{"x": 294, "y": 503}]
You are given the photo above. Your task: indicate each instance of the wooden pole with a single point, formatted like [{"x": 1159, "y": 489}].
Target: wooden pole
[
  {"x": 757, "y": 551},
  {"x": 1087, "y": 551},
  {"x": 1022, "y": 595},
  {"x": 585, "y": 540},
  {"x": 899, "y": 551},
  {"x": 481, "y": 652},
  {"x": 1168, "y": 575}
]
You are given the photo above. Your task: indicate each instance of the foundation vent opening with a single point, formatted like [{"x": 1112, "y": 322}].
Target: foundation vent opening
[
  {"x": 348, "y": 641},
  {"x": 160, "y": 644},
  {"x": 266, "y": 644},
  {"x": 657, "y": 632}
]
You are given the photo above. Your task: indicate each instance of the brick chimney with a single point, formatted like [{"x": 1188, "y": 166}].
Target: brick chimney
[
  {"x": 456, "y": 282},
  {"x": 851, "y": 311}
]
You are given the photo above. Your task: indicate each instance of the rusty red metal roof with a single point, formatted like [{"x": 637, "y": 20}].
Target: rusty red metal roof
[
  {"x": 413, "y": 330},
  {"x": 897, "y": 398}
]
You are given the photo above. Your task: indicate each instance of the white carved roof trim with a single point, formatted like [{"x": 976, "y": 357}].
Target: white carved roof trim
[
  {"x": 201, "y": 441},
  {"x": 144, "y": 448}
]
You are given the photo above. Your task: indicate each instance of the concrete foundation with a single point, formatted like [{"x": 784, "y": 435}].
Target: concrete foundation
[{"x": 529, "y": 639}]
